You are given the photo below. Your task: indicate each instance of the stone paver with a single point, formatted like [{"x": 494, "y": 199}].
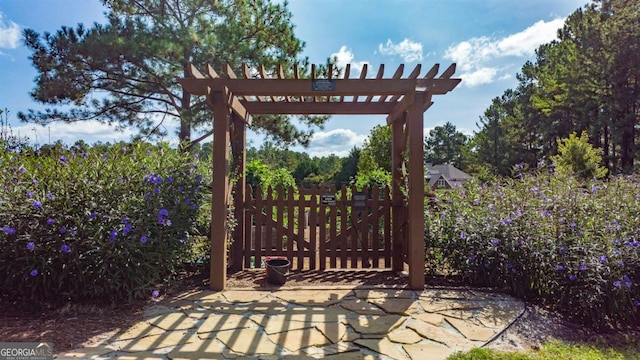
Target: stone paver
[
  {"x": 404, "y": 336},
  {"x": 376, "y": 324},
  {"x": 429, "y": 351},
  {"x": 471, "y": 331},
  {"x": 362, "y": 307},
  {"x": 333, "y": 331},
  {"x": 311, "y": 324},
  {"x": 313, "y": 297},
  {"x": 172, "y": 321},
  {"x": 433, "y": 319},
  {"x": 295, "y": 340},
  {"x": 139, "y": 330},
  {"x": 247, "y": 341},
  {"x": 221, "y": 322},
  {"x": 384, "y": 294},
  {"x": 169, "y": 338},
  {"x": 397, "y": 305},
  {"x": 383, "y": 346}
]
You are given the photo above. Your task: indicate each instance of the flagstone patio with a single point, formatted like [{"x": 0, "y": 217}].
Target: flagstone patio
[{"x": 311, "y": 324}]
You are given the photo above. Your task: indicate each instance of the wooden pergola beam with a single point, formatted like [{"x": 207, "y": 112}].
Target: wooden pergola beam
[
  {"x": 233, "y": 104},
  {"x": 303, "y": 87},
  {"x": 324, "y": 108}
]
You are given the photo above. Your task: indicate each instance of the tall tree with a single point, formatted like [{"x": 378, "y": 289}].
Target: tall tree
[
  {"x": 376, "y": 151},
  {"x": 445, "y": 145},
  {"x": 348, "y": 168},
  {"x": 125, "y": 72}
]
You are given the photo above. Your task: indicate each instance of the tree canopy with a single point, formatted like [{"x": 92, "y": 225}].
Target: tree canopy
[
  {"x": 586, "y": 80},
  {"x": 445, "y": 145},
  {"x": 125, "y": 72}
]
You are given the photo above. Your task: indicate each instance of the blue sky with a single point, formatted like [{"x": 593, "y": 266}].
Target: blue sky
[{"x": 489, "y": 40}]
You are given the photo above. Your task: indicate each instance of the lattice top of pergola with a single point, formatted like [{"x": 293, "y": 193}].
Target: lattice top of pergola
[{"x": 258, "y": 93}]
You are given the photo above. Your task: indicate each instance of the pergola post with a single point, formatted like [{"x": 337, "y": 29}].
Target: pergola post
[
  {"x": 415, "y": 201},
  {"x": 397, "y": 198},
  {"x": 220, "y": 189},
  {"x": 240, "y": 139}
]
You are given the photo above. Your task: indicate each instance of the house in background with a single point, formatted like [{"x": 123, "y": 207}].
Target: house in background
[{"x": 444, "y": 176}]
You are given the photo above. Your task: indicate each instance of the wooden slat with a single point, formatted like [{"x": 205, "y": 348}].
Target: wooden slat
[
  {"x": 194, "y": 72},
  {"x": 280, "y": 72},
  {"x": 296, "y": 71},
  {"x": 375, "y": 226},
  {"x": 296, "y": 75},
  {"x": 228, "y": 72},
  {"x": 329, "y": 76},
  {"x": 387, "y": 227},
  {"x": 260, "y": 219},
  {"x": 300, "y": 240},
  {"x": 413, "y": 75},
  {"x": 353, "y": 234},
  {"x": 363, "y": 75},
  {"x": 280, "y": 218},
  {"x": 312, "y": 226},
  {"x": 249, "y": 219},
  {"x": 396, "y": 75},
  {"x": 268, "y": 206},
  {"x": 246, "y": 71},
  {"x": 290, "y": 223},
  {"x": 332, "y": 234},
  {"x": 347, "y": 70},
  {"x": 364, "y": 225},
  {"x": 212, "y": 73},
  {"x": 263, "y": 75},
  {"x": 313, "y": 76},
  {"x": 343, "y": 227},
  {"x": 378, "y": 77},
  {"x": 432, "y": 72},
  {"x": 450, "y": 71},
  {"x": 323, "y": 234}
]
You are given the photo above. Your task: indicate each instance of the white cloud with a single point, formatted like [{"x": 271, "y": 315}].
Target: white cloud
[
  {"x": 477, "y": 57},
  {"x": 409, "y": 50},
  {"x": 9, "y": 34},
  {"x": 526, "y": 42},
  {"x": 90, "y": 131},
  {"x": 345, "y": 56},
  {"x": 336, "y": 141},
  {"x": 480, "y": 76}
]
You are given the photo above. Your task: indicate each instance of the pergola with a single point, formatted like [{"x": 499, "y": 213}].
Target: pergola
[{"x": 403, "y": 99}]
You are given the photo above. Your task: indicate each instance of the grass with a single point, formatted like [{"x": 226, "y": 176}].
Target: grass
[{"x": 557, "y": 350}]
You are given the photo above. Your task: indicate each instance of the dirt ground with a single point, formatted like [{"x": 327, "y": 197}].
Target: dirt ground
[{"x": 71, "y": 326}]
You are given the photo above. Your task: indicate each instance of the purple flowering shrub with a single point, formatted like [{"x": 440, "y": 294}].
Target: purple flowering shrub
[
  {"x": 571, "y": 245},
  {"x": 106, "y": 222}
]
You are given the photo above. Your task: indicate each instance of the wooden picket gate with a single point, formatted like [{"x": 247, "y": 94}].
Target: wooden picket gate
[{"x": 319, "y": 228}]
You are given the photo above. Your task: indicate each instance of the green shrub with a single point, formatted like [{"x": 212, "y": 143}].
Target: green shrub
[
  {"x": 109, "y": 222},
  {"x": 572, "y": 245}
]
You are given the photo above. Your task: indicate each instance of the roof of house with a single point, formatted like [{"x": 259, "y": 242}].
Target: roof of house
[{"x": 451, "y": 175}]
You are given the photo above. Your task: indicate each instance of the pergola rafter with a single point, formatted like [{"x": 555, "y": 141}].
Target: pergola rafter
[{"x": 402, "y": 99}]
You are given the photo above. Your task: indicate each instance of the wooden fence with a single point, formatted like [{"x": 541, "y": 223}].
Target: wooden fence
[{"x": 318, "y": 228}]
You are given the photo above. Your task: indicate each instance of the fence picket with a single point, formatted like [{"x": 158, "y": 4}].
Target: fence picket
[{"x": 358, "y": 237}]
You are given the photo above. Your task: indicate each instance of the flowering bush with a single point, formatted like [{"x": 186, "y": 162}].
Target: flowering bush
[
  {"x": 107, "y": 222},
  {"x": 573, "y": 245}
]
